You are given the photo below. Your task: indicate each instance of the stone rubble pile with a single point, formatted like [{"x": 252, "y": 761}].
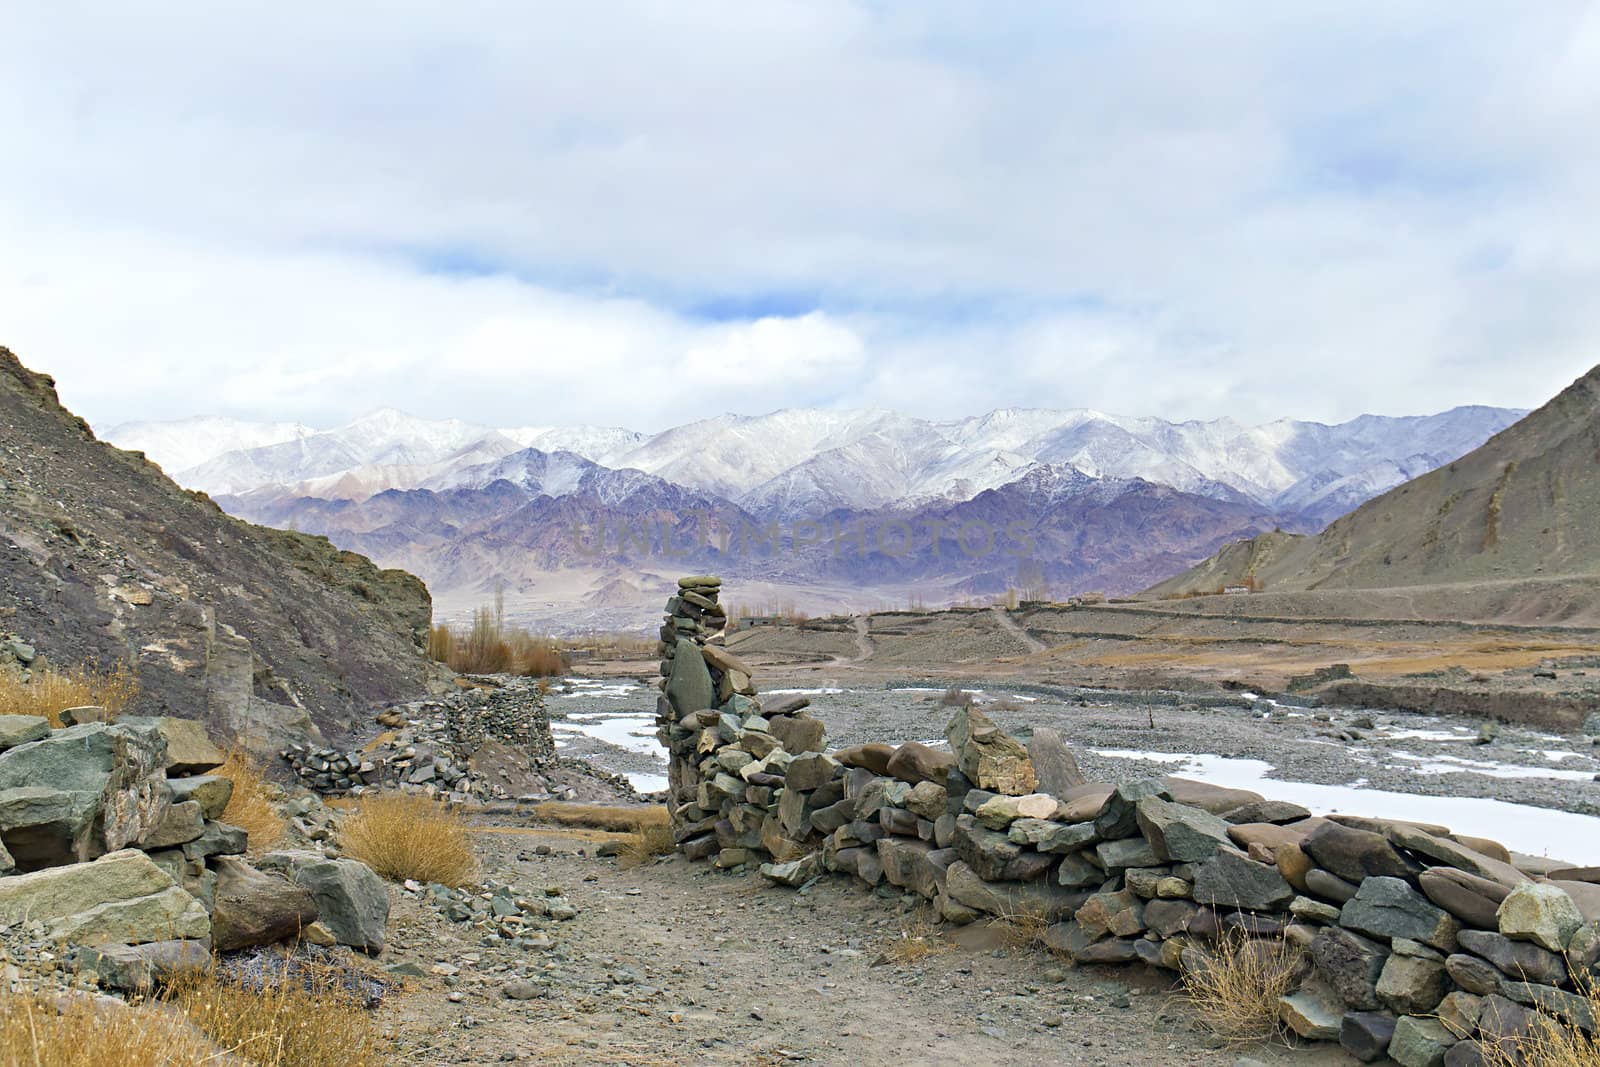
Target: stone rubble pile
[
  {"x": 113, "y": 854},
  {"x": 440, "y": 747},
  {"x": 500, "y": 912},
  {"x": 1423, "y": 945}
]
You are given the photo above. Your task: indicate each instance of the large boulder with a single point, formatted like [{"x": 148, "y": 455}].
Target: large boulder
[
  {"x": 253, "y": 908},
  {"x": 991, "y": 758},
  {"x": 114, "y": 793},
  {"x": 874, "y": 756},
  {"x": 1354, "y": 854},
  {"x": 22, "y": 729},
  {"x": 799, "y": 733},
  {"x": 120, "y": 898},
  {"x": 352, "y": 901}
]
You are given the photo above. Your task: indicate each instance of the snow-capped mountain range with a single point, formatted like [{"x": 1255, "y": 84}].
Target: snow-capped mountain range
[
  {"x": 800, "y": 460},
  {"x": 1102, "y": 501}
]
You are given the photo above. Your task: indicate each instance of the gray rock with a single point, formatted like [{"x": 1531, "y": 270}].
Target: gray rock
[
  {"x": 1179, "y": 833},
  {"x": 1472, "y": 973},
  {"x": 1521, "y": 960},
  {"x": 352, "y": 901},
  {"x": 1273, "y": 811},
  {"x": 800, "y": 734},
  {"x": 252, "y": 908},
  {"x": 21, "y": 730},
  {"x": 1410, "y": 985},
  {"x": 1351, "y": 964},
  {"x": 1456, "y": 855},
  {"x": 211, "y": 792},
  {"x": 915, "y": 762},
  {"x": 1128, "y": 852},
  {"x": 1328, "y": 886},
  {"x": 993, "y": 856},
  {"x": 140, "y": 968},
  {"x": 1053, "y": 762},
  {"x": 810, "y": 771},
  {"x": 1388, "y": 907},
  {"x": 795, "y": 873},
  {"x": 1570, "y": 1008},
  {"x": 989, "y": 756},
  {"x": 1053, "y": 837},
  {"x": 1168, "y": 918},
  {"x": 1539, "y": 913},
  {"x": 1118, "y": 816},
  {"x": 181, "y": 824},
  {"x": 115, "y": 779},
  {"x": 1366, "y": 1035},
  {"x": 120, "y": 898},
  {"x": 1230, "y": 880},
  {"x": 1472, "y": 900},
  {"x": 1354, "y": 854},
  {"x": 1420, "y": 1042},
  {"x": 1313, "y": 1013},
  {"x": 1011, "y": 898},
  {"x": 1459, "y": 1012},
  {"x": 689, "y": 686}
]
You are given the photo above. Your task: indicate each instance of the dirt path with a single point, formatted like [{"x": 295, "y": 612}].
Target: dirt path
[
  {"x": 864, "y": 646},
  {"x": 674, "y": 963},
  {"x": 1008, "y": 623}
]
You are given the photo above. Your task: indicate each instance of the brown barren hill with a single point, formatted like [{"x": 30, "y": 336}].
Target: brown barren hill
[
  {"x": 1525, "y": 506},
  {"x": 263, "y": 633}
]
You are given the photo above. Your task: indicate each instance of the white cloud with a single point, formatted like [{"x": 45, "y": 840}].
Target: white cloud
[{"x": 1312, "y": 209}]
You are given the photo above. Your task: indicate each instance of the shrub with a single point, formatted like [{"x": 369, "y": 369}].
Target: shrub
[
  {"x": 490, "y": 646},
  {"x": 48, "y": 692},
  {"x": 955, "y": 697},
  {"x": 616, "y": 818},
  {"x": 918, "y": 939},
  {"x": 402, "y": 835},
  {"x": 1236, "y": 990},
  {"x": 251, "y": 808}
]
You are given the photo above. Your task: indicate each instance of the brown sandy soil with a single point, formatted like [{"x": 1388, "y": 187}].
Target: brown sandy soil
[{"x": 674, "y": 963}]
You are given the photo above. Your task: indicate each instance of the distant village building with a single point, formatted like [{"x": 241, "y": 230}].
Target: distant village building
[
  {"x": 748, "y": 621},
  {"x": 1231, "y": 590}
]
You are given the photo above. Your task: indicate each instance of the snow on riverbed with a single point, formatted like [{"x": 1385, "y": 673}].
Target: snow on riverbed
[{"x": 1520, "y": 827}]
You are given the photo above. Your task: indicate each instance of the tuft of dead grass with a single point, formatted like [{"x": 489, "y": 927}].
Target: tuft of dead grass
[
  {"x": 404, "y": 835},
  {"x": 919, "y": 938},
  {"x": 48, "y": 691},
  {"x": 1236, "y": 991},
  {"x": 292, "y": 1022},
  {"x": 646, "y": 843},
  {"x": 490, "y": 645},
  {"x": 614, "y": 817},
  {"x": 1023, "y": 928},
  {"x": 47, "y": 1030},
  {"x": 251, "y": 808}
]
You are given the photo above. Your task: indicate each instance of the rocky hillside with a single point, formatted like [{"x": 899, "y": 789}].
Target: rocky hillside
[
  {"x": 1524, "y": 505},
  {"x": 267, "y": 634}
]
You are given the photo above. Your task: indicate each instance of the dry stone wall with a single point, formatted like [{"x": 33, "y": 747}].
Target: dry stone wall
[{"x": 1421, "y": 945}]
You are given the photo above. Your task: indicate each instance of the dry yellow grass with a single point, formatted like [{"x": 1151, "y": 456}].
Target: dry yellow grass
[
  {"x": 646, "y": 843},
  {"x": 918, "y": 939},
  {"x": 1023, "y": 928},
  {"x": 251, "y": 808},
  {"x": 48, "y": 692},
  {"x": 1554, "y": 1043},
  {"x": 617, "y": 818},
  {"x": 402, "y": 835},
  {"x": 41, "y": 1031},
  {"x": 286, "y": 1024},
  {"x": 1236, "y": 991}
]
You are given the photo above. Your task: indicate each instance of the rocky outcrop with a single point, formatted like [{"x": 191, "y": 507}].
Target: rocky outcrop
[{"x": 266, "y": 635}]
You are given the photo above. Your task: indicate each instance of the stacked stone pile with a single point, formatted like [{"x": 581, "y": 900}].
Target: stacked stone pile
[
  {"x": 112, "y": 846},
  {"x": 432, "y": 745},
  {"x": 1423, "y": 945}
]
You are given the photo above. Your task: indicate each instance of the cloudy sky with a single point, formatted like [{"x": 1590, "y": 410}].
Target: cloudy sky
[{"x": 639, "y": 213}]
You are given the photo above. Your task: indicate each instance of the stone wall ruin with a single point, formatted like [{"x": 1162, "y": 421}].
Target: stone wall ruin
[{"x": 1423, "y": 945}]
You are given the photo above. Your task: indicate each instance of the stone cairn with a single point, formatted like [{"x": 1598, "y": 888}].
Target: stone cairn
[{"x": 1422, "y": 945}]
